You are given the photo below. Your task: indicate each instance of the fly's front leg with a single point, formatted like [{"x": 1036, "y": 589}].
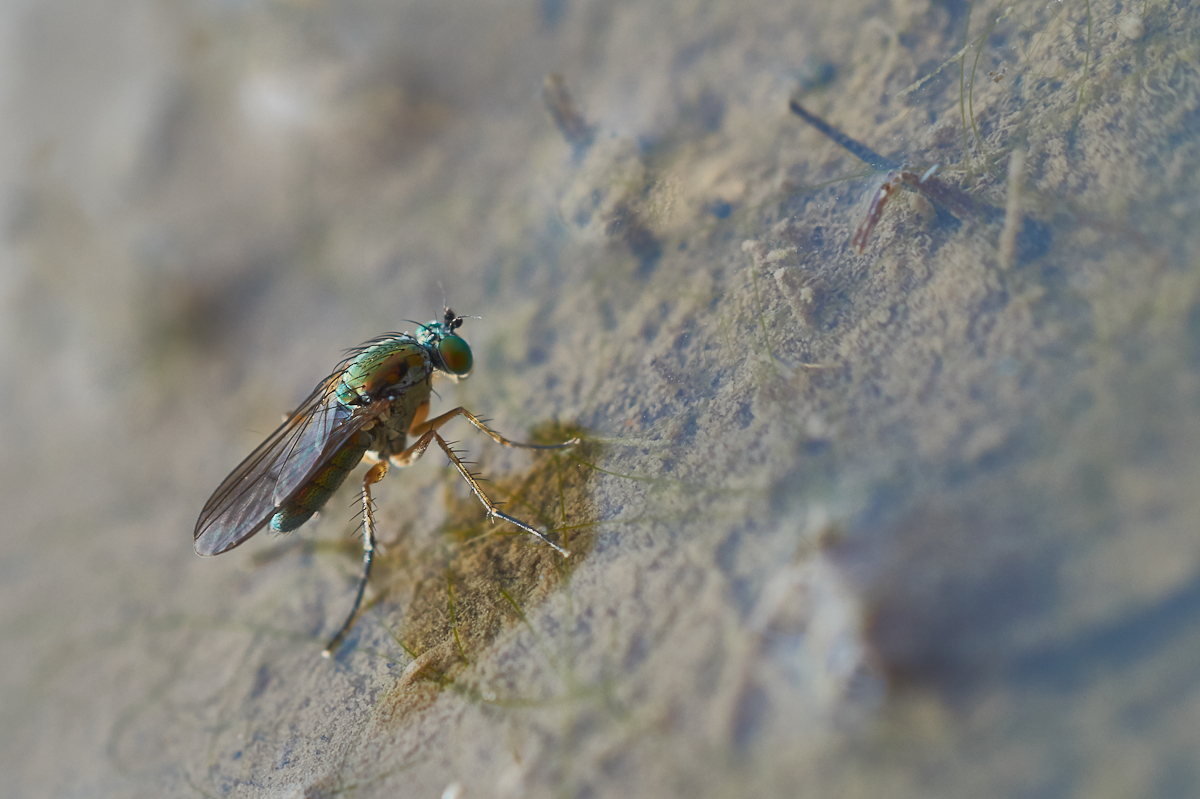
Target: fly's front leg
[
  {"x": 421, "y": 427},
  {"x": 430, "y": 435},
  {"x": 373, "y": 475}
]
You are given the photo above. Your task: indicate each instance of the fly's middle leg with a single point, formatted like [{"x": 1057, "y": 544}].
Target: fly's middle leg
[{"x": 373, "y": 475}]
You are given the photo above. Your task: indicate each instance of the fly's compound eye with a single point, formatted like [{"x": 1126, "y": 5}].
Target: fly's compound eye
[{"x": 456, "y": 355}]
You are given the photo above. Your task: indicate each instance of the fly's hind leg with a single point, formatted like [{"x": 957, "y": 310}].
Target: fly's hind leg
[
  {"x": 429, "y": 434},
  {"x": 373, "y": 475}
]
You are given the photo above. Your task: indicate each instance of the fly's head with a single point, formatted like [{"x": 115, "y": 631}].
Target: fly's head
[{"x": 449, "y": 352}]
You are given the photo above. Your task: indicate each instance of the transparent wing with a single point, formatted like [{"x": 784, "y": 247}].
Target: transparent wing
[
  {"x": 279, "y": 467},
  {"x": 307, "y": 446}
]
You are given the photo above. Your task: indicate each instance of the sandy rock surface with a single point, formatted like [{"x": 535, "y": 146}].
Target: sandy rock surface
[{"x": 917, "y": 522}]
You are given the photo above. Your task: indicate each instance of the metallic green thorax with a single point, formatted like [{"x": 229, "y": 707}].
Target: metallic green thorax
[
  {"x": 389, "y": 366},
  {"x": 390, "y": 380}
]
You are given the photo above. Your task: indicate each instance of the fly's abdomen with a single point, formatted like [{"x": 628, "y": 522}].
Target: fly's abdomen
[{"x": 313, "y": 495}]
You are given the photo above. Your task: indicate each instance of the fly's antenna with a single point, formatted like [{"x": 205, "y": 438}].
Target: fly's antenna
[{"x": 454, "y": 321}]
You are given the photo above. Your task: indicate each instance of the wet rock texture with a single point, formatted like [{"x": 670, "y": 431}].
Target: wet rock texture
[{"x": 917, "y": 522}]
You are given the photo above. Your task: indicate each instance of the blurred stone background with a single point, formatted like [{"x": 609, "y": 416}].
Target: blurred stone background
[{"x": 921, "y": 522}]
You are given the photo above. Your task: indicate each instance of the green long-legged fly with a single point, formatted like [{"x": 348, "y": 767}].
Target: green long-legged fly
[{"x": 374, "y": 400}]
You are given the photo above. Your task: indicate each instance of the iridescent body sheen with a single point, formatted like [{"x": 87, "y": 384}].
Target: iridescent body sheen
[
  {"x": 367, "y": 408},
  {"x": 397, "y": 367}
]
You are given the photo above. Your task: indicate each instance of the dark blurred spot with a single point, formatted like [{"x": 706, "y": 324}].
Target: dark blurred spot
[
  {"x": 571, "y": 123},
  {"x": 541, "y": 342},
  {"x": 957, "y": 9},
  {"x": 667, "y": 373},
  {"x": 947, "y": 220},
  {"x": 1116, "y": 645},
  {"x": 955, "y": 588},
  {"x": 636, "y": 653},
  {"x": 816, "y": 446},
  {"x": 1179, "y": 777},
  {"x": 815, "y": 73},
  {"x": 22, "y": 214},
  {"x": 202, "y": 310},
  {"x": 608, "y": 315},
  {"x": 1033, "y": 240},
  {"x": 721, "y": 209},
  {"x": 174, "y": 120},
  {"x": 394, "y": 108},
  {"x": 689, "y": 54},
  {"x": 751, "y": 709},
  {"x": 551, "y": 13},
  {"x": 689, "y": 428},
  {"x": 261, "y": 680},
  {"x": 627, "y": 225},
  {"x": 745, "y": 415},
  {"x": 1193, "y": 336},
  {"x": 708, "y": 110}
]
